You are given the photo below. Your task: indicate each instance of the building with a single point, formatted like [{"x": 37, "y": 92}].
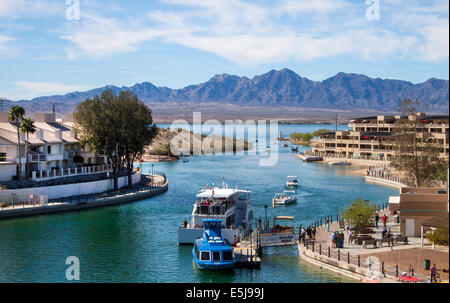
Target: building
[
  {"x": 418, "y": 205},
  {"x": 54, "y": 149},
  {"x": 371, "y": 138}
]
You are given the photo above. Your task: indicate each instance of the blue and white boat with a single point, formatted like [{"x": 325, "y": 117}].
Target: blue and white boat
[{"x": 212, "y": 251}]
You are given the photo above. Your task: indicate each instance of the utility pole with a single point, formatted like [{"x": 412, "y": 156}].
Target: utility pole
[{"x": 336, "y": 120}]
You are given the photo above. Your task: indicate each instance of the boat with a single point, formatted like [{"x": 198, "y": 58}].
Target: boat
[
  {"x": 284, "y": 198},
  {"x": 340, "y": 163},
  {"x": 292, "y": 181},
  {"x": 268, "y": 148},
  {"x": 294, "y": 148},
  {"x": 212, "y": 251},
  {"x": 285, "y": 144},
  {"x": 280, "y": 233},
  {"x": 311, "y": 158},
  {"x": 232, "y": 206}
]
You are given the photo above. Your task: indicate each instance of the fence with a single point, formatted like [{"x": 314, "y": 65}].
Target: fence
[
  {"x": 20, "y": 200},
  {"x": 41, "y": 175},
  {"x": 361, "y": 264},
  {"x": 381, "y": 173}
]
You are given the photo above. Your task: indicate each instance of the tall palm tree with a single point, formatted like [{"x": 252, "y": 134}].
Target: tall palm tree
[
  {"x": 27, "y": 127},
  {"x": 15, "y": 114}
]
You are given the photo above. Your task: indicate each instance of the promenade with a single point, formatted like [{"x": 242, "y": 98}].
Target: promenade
[
  {"x": 149, "y": 186},
  {"x": 357, "y": 261}
]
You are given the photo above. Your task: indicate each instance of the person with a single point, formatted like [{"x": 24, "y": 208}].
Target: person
[
  {"x": 314, "y": 232},
  {"x": 333, "y": 240},
  {"x": 303, "y": 234},
  {"x": 328, "y": 225},
  {"x": 349, "y": 232},
  {"x": 308, "y": 231},
  {"x": 433, "y": 273},
  {"x": 383, "y": 233},
  {"x": 384, "y": 220},
  {"x": 185, "y": 223},
  {"x": 377, "y": 217}
]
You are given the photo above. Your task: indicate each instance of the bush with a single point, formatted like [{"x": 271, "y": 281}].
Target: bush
[
  {"x": 440, "y": 235},
  {"x": 307, "y": 137},
  {"x": 359, "y": 213},
  {"x": 296, "y": 136}
]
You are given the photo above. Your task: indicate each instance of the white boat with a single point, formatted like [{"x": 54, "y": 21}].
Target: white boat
[
  {"x": 292, "y": 181},
  {"x": 285, "y": 145},
  {"x": 340, "y": 163},
  {"x": 233, "y": 206},
  {"x": 284, "y": 198},
  {"x": 268, "y": 148}
]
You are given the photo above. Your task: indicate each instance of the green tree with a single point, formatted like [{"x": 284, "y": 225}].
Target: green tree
[
  {"x": 320, "y": 131},
  {"x": 16, "y": 113},
  {"x": 307, "y": 137},
  {"x": 416, "y": 151},
  {"x": 120, "y": 126},
  {"x": 359, "y": 213},
  {"x": 296, "y": 136},
  {"x": 138, "y": 134},
  {"x": 27, "y": 127},
  {"x": 441, "y": 235}
]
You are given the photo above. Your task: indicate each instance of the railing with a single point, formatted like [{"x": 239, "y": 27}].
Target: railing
[
  {"x": 385, "y": 175},
  {"x": 41, "y": 175}
]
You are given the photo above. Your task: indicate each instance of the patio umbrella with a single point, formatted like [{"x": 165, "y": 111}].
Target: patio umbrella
[{"x": 410, "y": 279}]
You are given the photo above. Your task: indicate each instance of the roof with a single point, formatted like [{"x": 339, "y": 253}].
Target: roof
[{"x": 218, "y": 193}]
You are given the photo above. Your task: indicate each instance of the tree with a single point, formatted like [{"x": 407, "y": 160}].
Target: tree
[
  {"x": 320, "y": 131},
  {"x": 27, "y": 127},
  {"x": 441, "y": 235},
  {"x": 120, "y": 126},
  {"x": 359, "y": 213},
  {"x": 16, "y": 113},
  {"x": 138, "y": 134},
  {"x": 307, "y": 137},
  {"x": 296, "y": 136},
  {"x": 416, "y": 151}
]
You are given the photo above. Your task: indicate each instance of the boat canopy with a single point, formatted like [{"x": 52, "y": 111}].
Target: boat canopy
[
  {"x": 292, "y": 176},
  {"x": 217, "y": 193}
]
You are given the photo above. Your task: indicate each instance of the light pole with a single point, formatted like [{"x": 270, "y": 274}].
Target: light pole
[{"x": 265, "y": 223}]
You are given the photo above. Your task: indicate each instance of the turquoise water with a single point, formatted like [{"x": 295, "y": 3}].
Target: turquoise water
[{"x": 137, "y": 242}]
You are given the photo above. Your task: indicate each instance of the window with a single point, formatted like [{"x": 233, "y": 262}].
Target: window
[
  {"x": 216, "y": 256},
  {"x": 2, "y": 157},
  {"x": 49, "y": 149},
  {"x": 205, "y": 256},
  {"x": 227, "y": 256}
]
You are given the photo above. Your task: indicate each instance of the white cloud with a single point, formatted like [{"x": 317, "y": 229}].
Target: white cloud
[
  {"x": 252, "y": 34},
  {"x": 35, "y": 8},
  {"x": 3, "y": 40},
  {"x": 28, "y": 90}
]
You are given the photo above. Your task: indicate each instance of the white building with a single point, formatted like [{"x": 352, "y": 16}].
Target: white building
[{"x": 52, "y": 149}]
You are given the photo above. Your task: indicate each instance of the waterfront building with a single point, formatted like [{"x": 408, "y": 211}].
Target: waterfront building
[
  {"x": 371, "y": 138},
  {"x": 417, "y": 205},
  {"x": 54, "y": 149}
]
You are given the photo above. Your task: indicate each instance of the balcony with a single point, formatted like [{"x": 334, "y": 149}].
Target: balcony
[
  {"x": 36, "y": 157},
  {"x": 41, "y": 175},
  {"x": 69, "y": 154}
]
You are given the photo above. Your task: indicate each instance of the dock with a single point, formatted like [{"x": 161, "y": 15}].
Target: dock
[{"x": 246, "y": 257}]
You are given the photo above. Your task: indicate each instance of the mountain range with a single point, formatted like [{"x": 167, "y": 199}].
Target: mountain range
[{"x": 276, "y": 88}]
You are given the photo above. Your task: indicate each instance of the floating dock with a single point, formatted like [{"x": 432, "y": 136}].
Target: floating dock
[{"x": 246, "y": 257}]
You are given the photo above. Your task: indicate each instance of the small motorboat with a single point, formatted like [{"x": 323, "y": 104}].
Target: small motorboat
[
  {"x": 294, "y": 148},
  {"x": 292, "y": 181},
  {"x": 268, "y": 148},
  {"x": 212, "y": 251},
  {"x": 284, "y": 198},
  {"x": 285, "y": 144},
  {"x": 339, "y": 163}
]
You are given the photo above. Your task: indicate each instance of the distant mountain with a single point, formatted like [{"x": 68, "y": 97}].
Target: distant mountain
[{"x": 273, "y": 89}]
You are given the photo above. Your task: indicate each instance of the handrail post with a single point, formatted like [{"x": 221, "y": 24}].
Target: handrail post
[
  {"x": 320, "y": 249},
  {"x": 348, "y": 257},
  {"x": 339, "y": 255},
  {"x": 329, "y": 252},
  {"x": 359, "y": 261}
]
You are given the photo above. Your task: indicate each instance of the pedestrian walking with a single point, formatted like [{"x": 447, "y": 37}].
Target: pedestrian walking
[
  {"x": 433, "y": 274},
  {"x": 377, "y": 217},
  {"x": 384, "y": 220},
  {"x": 328, "y": 225}
]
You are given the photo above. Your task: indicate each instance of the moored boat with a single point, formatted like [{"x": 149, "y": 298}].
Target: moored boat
[
  {"x": 232, "y": 206},
  {"x": 212, "y": 251},
  {"x": 294, "y": 148},
  {"x": 340, "y": 163}
]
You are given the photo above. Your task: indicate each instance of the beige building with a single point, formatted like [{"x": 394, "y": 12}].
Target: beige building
[
  {"x": 371, "y": 137},
  {"x": 417, "y": 205},
  {"x": 52, "y": 149}
]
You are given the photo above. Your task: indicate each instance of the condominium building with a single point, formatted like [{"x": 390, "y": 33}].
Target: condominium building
[
  {"x": 371, "y": 138},
  {"x": 53, "y": 148}
]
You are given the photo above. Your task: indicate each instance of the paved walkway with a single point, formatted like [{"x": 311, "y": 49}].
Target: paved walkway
[{"x": 402, "y": 255}]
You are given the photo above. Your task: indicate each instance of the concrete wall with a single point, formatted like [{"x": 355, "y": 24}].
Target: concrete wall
[{"x": 61, "y": 191}]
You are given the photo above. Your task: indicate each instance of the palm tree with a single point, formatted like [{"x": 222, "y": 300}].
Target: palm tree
[
  {"x": 15, "y": 114},
  {"x": 27, "y": 127}
]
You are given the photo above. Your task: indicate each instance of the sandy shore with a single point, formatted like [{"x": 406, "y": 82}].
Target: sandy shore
[{"x": 158, "y": 158}]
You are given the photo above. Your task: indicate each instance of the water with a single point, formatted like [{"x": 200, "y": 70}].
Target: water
[{"x": 137, "y": 242}]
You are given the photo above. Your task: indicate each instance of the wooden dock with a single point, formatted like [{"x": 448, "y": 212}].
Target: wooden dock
[{"x": 246, "y": 257}]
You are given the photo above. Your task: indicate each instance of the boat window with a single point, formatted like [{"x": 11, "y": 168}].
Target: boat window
[
  {"x": 205, "y": 256},
  {"x": 227, "y": 255},
  {"x": 216, "y": 256}
]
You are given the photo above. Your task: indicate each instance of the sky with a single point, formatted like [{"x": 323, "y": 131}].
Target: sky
[{"x": 52, "y": 47}]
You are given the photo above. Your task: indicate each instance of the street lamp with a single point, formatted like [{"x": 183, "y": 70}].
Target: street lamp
[{"x": 265, "y": 223}]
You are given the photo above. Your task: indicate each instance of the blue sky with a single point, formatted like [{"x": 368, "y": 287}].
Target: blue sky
[{"x": 175, "y": 43}]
